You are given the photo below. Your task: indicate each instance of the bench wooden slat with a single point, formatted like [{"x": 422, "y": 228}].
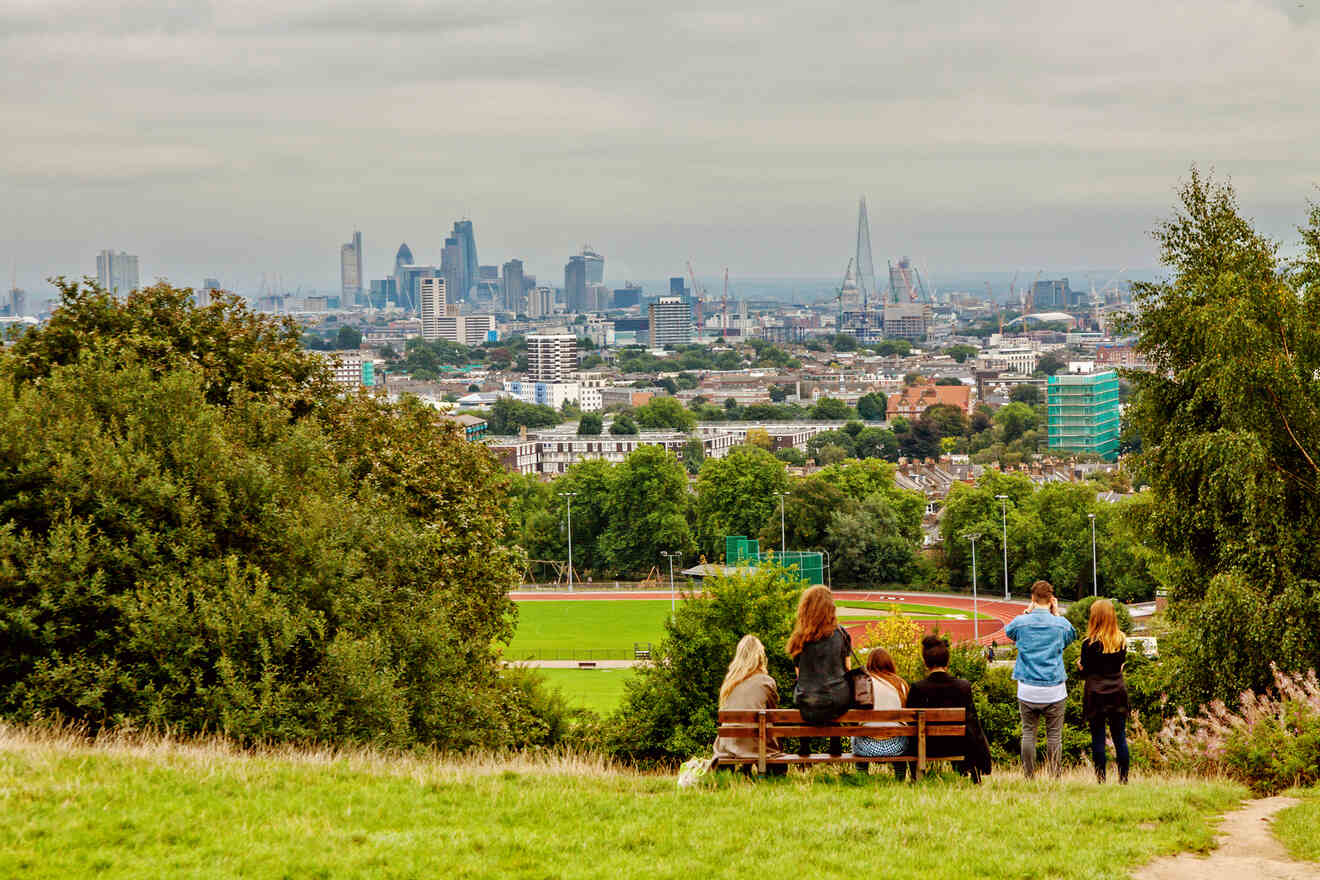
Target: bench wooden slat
[
  {"x": 748, "y": 732},
  {"x": 838, "y": 759},
  {"x": 779, "y": 716}
]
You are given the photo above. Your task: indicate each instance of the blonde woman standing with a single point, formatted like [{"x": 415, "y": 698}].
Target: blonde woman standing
[
  {"x": 747, "y": 685},
  {"x": 1105, "y": 696}
]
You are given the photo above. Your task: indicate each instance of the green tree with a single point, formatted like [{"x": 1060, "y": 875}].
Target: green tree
[
  {"x": 649, "y": 511},
  {"x": 946, "y": 419},
  {"x": 590, "y": 425},
  {"x": 861, "y": 480},
  {"x": 594, "y": 483},
  {"x": 694, "y": 454},
  {"x": 877, "y": 443},
  {"x": 1229, "y": 421},
  {"x": 1050, "y": 363},
  {"x": 348, "y": 338},
  {"x": 872, "y": 407},
  {"x": 961, "y": 353},
  {"x": 1013, "y": 420},
  {"x": 508, "y": 414},
  {"x": 199, "y": 532},
  {"x": 841, "y": 439},
  {"x": 844, "y": 342},
  {"x": 623, "y": 424},
  {"x": 974, "y": 508},
  {"x": 1028, "y": 394},
  {"x": 831, "y": 409},
  {"x": 810, "y": 505},
  {"x": 670, "y": 709},
  {"x": 665, "y": 412},
  {"x": 777, "y": 394},
  {"x": 867, "y": 547},
  {"x": 735, "y": 495}
]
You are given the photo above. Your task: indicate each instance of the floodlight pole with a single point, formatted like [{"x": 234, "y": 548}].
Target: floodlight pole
[
  {"x": 1095, "y": 580},
  {"x": 670, "y": 556},
  {"x": 828, "y": 585},
  {"x": 976, "y": 614},
  {"x": 568, "y": 496},
  {"x": 783, "y": 540},
  {"x": 1003, "y": 512}
]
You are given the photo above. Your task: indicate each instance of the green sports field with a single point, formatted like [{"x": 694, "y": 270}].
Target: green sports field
[
  {"x": 600, "y": 690},
  {"x": 569, "y": 629}
]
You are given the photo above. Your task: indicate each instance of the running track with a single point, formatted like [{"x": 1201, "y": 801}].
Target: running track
[{"x": 999, "y": 610}]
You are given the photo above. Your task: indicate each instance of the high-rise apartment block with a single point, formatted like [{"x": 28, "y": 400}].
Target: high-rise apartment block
[
  {"x": 540, "y": 302},
  {"x": 117, "y": 272},
  {"x": 350, "y": 271},
  {"x": 551, "y": 357},
  {"x": 513, "y": 286},
  {"x": 671, "y": 322},
  {"x": 432, "y": 302},
  {"x": 1083, "y": 413},
  {"x": 627, "y": 296}
]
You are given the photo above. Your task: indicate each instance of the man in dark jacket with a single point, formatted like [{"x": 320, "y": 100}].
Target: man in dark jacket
[{"x": 940, "y": 690}]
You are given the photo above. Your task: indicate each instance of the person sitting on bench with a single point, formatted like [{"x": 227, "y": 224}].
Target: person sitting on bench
[
  {"x": 890, "y": 693},
  {"x": 821, "y": 651},
  {"x": 939, "y": 689},
  {"x": 747, "y": 685}
]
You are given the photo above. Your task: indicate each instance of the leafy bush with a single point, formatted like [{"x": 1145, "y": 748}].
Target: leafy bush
[
  {"x": 1271, "y": 742},
  {"x": 197, "y": 530},
  {"x": 670, "y": 707},
  {"x": 1079, "y": 612}
]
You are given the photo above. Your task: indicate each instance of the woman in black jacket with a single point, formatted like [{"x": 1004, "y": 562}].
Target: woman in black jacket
[
  {"x": 821, "y": 652},
  {"x": 1105, "y": 696}
]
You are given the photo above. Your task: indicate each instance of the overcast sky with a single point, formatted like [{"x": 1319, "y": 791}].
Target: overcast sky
[{"x": 236, "y": 138}]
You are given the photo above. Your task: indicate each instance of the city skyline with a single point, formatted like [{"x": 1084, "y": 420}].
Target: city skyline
[{"x": 1019, "y": 138}]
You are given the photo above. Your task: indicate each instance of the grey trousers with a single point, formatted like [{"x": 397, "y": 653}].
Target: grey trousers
[{"x": 1031, "y": 714}]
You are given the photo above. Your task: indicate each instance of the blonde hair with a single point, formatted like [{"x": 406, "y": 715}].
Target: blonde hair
[
  {"x": 748, "y": 660},
  {"x": 815, "y": 619},
  {"x": 1102, "y": 626}
]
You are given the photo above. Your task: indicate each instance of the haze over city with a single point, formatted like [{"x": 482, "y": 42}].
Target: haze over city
[{"x": 241, "y": 139}]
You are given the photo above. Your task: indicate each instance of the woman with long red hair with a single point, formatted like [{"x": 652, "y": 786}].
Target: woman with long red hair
[{"x": 821, "y": 651}]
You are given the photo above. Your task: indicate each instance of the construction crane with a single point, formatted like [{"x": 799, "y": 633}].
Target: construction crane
[{"x": 697, "y": 293}]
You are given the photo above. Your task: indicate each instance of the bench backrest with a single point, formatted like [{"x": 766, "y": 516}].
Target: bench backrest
[{"x": 876, "y": 723}]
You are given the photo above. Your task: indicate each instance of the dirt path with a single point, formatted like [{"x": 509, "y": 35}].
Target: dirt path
[{"x": 1247, "y": 850}]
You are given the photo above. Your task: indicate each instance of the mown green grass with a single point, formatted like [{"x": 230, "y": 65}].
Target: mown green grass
[
  {"x": 1299, "y": 827},
  {"x": 600, "y": 690},
  {"x": 167, "y": 812},
  {"x": 568, "y": 626}
]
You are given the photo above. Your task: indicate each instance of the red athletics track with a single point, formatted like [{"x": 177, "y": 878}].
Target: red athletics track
[{"x": 1000, "y": 611}]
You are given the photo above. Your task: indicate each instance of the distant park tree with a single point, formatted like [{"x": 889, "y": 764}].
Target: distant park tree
[
  {"x": 650, "y": 511},
  {"x": 947, "y": 380},
  {"x": 590, "y": 424},
  {"x": 348, "y": 338},
  {"x": 623, "y": 424},
  {"x": 777, "y": 394},
  {"x": 735, "y": 495},
  {"x": 507, "y": 415},
  {"x": 760, "y": 438},
  {"x": 831, "y": 409},
  {"x": 1229, "y": 426},
  {"x": 961, "y": 353},
  {"x": 1028, "y": 394},
  {"x": 1050, "y": 363},
  {"x": 660, "y": 413},
  {"x": 871, "y": 407}
]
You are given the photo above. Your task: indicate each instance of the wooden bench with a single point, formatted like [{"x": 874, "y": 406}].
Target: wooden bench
[{"x": 921, "y": 724}]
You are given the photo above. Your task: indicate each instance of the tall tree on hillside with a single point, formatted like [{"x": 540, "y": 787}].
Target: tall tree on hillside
[{"x": 1229, "y": 421}]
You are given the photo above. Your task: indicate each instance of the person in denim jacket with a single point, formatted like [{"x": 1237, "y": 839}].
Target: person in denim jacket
[{"x": 1041, "y": 635}]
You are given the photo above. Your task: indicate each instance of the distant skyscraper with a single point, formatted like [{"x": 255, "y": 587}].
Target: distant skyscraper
[
  {"x": 575, "y": 284},
  {"x": 905, "y": 284},
  {"x": 671, "y": 322},
  {"x": 627, "y": 296},
  {"x": 17, "y": 302},
  {"x": 210, "y": 287},
  {"x": 384, "y": 291},
  {"x": 350, "y": 271},
  {"x": 461, "y": 268},
  {"x": 1055, "y": 294},
  {"x": 595, "y": 265},
  {"x": 117, "y": 272},
  {"x": 677, "y": 286},
  {"x": 540, "y": 302},
  {"x": 513, "y": 286},
  {"x": 433, "y": 305},
  {"x": 403, "y": 257}
]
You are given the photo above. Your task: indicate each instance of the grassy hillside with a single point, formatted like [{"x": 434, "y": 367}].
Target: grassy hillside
[{"x": 172, "y": 811}]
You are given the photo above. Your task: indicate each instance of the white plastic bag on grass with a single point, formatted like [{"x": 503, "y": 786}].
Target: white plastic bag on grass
[{"x": 693, "y": 771}]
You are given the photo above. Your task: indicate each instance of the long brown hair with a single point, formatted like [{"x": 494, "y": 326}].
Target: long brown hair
[
  {"x": 748, "y": 660},
  {"x": 1102, "y": 626},
  {"x": 879, "y": 664},
  {"x": 816, "y": 619}
]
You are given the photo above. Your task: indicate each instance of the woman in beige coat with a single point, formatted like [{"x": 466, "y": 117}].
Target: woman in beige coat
[{"x": 747, "y": 685}]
